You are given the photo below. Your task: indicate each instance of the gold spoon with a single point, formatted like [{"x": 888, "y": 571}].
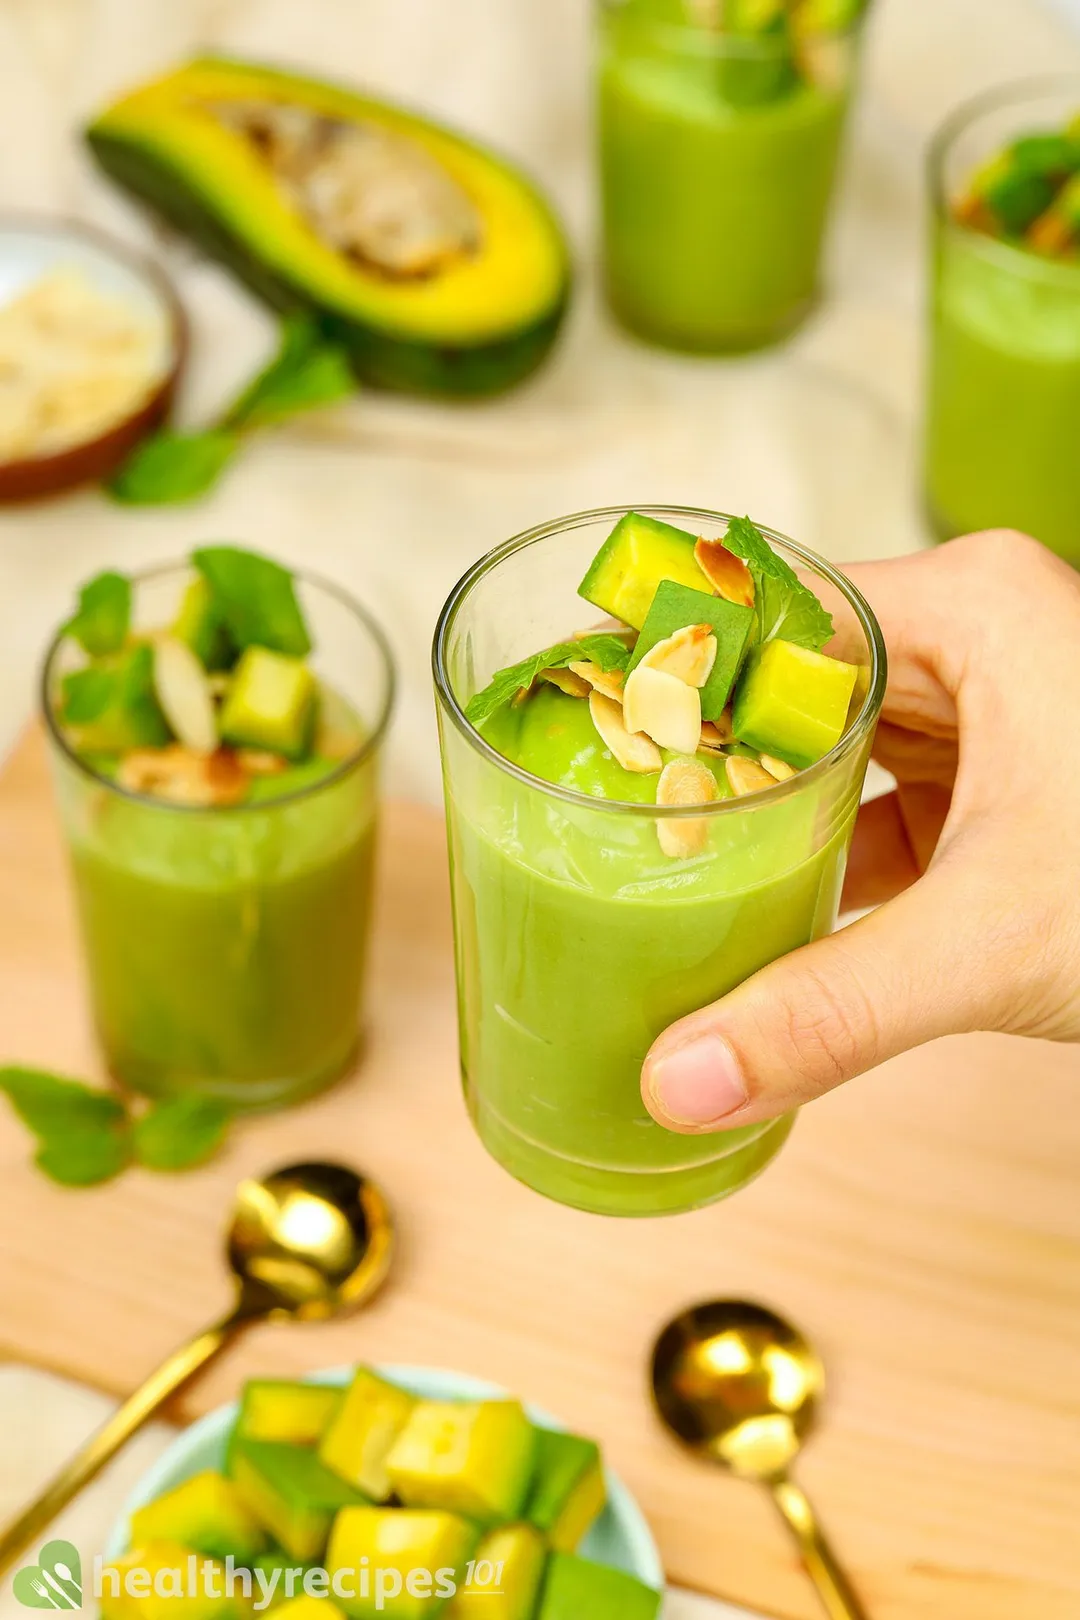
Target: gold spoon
[
  {"x": 306, "y": 1243},
  {"x": 740, "y": 1387}
]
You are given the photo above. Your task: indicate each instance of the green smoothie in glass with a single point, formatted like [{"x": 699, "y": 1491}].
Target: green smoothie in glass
[
  {"x": 215, "y": 732},
  {"x": 1003, "y": 416},
  {"x": 641, "y": 815},
  {"x": 720, "y": 128}
]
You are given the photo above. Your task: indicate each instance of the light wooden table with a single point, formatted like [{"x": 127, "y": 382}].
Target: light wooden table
[{"x": 922, "y": 1226}]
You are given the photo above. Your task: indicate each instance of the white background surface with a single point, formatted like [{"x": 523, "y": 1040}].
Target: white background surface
[{"x": 395, "y": 499}]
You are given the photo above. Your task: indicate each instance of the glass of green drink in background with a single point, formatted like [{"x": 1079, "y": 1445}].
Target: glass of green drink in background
[
  {"x": 223, "y": 889},
  {"x": 720, "y": 126},
  {"x": 1002, "y": 438},
  {"x": 578, "y": 936}
]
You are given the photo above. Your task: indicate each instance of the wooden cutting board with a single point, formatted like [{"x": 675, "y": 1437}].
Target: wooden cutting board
[{"x": 924, "y": 1227}]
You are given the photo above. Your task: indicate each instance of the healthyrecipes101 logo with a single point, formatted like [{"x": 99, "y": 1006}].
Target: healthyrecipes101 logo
[
  {"x": 53, "y": 1583},
  {"x": 56, "y": 1581}
]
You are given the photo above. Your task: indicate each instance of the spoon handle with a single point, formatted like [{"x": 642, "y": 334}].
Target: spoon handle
[
  {"x": 833, "y": 1587},
  {"x": 104, "y": 1445}
]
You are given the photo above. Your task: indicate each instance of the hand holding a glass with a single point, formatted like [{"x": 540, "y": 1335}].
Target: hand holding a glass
[{"x": 973, "y": 861}]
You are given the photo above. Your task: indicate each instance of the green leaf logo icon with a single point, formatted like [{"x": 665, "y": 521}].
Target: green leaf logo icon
[{"x": 54, "y": 1583}]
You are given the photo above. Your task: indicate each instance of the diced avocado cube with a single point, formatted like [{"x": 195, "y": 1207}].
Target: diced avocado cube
[
  {"x": 674, "y": 607},
  {"x": 291, "y": 1493},
  {"x": 503, "y": 1581},
  {"x": 792, "y": 702},
  {"x": 308, "y": 1607},
  {"x": 206, "y": 1513},
  {"x": 358, "y": 1440},
  {"x": 110, "y": 706},
  {"x": 413, "y": 1561},
  {"x": 290, "y": 1411},
  {"x": 200, "y": 626},
  {"x": 271, "y": 703},
  {"x": 471, "y": 1457},
  {"x": 637, "y": 554},
  {"x": 1014, "y": 194},
  {"x": 128, "y": 1586},
  {"x": 575, "y": 1589},
  {"x": 568, "y": 1493}
]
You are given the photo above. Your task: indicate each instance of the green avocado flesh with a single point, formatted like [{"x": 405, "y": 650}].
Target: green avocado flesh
[
  {"x": 569, "y": 1492},
  {"x": 271, "y": 704},
  {"x": 628, "y": 568},
  {"x": 368, "y": 1421},
  {"x": 291, "y": 1494},
  {"x": 166, "y": 1562},
  {"x": 676, "y": 607},
  {"x": 575, "y": 1588},
  {"x": 207, "y": 1514},
  {"x": 437, "y": 263},
  {"x": 294, "y": 1413},
  {"x": 472, "y": 1458},
  {"x": 419, "y": 1545},
  {"x": 793, "y": 703},
  {"x": 507, "y": 1572}
]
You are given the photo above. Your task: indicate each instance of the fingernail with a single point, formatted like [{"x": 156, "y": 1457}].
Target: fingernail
[{"x": 700, "y": 1083}]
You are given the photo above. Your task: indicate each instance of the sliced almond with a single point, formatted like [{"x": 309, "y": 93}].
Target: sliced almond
[
  {"x": 747, "y": 776},
  {"x": 260, "y": 761},
  {"x": 727, "y": 574},
  {"x": 684, "y": 782},
  {"x": 664, "y": 708},
  {"x": 183, "y": 776},
  {"x": 565, "y": 679},
  {"x": 609, "y": 682},
  {"x": 184, "y": 694},
  {"x": 689, "y": 655},
  {"x": 632, "y": 751},
  {"x": 715, "y": 733},
  {"x": 778, "y": 769}
]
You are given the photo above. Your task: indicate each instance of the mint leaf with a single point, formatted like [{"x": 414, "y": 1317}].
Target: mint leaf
[
  {"x": 308, "y": 371},
  {"x": 181, "y": 1132},
  {"x": 101, "y": 622},
  {"x": 609, "y": 651},
  {"x": 169, "y": 467},
  {"x": 82, "y": 1132},
  {"x": 787, "y": 610},
  {"x": 255, "y": 598},
  {"x": 86, "y": 694}
]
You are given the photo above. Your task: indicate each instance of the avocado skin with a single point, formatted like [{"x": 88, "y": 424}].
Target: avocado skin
[{"x": 379, "y": 359}]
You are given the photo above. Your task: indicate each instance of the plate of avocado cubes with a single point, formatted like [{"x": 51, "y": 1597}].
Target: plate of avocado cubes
[{"x": 472, "y": 1503}]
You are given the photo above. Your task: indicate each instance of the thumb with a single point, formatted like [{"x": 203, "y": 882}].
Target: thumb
[{"x": 905, "y": 974}]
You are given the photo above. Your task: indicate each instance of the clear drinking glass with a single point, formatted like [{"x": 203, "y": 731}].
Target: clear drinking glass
[
  {"x": 718, "y": 159},
  {"x": 226, "y": 947},
  {"x": 577, "y": 940},
  {"x": 1003, "y": 385}
]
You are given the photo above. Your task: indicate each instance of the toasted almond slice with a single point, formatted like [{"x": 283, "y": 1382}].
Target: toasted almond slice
[
  {"x": 633, "y": 751},
  {"x": 184, "y": 694},
  {"x": 779, "y": 769},
  {"x": 715, "y": 733},
  {"x": 664, "y": 708},
  {"x": 609, "y": 682},
  {"x": 565, "y": 679},
  {"x": 747, "y": 776},
  {"x": 260, "y": 761},
  {"x": 684, "y": 781},
  {"x": 689, "y": 655},
  {"x": 727, "y": 574},
  {"x": 180, "y": 775}
]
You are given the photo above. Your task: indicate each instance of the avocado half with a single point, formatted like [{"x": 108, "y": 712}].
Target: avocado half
[{"x": 439, "y": 265}]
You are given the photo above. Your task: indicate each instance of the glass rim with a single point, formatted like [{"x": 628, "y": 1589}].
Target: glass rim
[
  {"x": 699, "y": 39},
  {"x": 863, "y": 723},
  {"x": 998, "y": 98},
  {"x": 340, "y": 772}
]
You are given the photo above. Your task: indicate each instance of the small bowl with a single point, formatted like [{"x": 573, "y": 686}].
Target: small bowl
[
  {"x": 620, "y": 1538},
  {"x": 30, "y": 246}
]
